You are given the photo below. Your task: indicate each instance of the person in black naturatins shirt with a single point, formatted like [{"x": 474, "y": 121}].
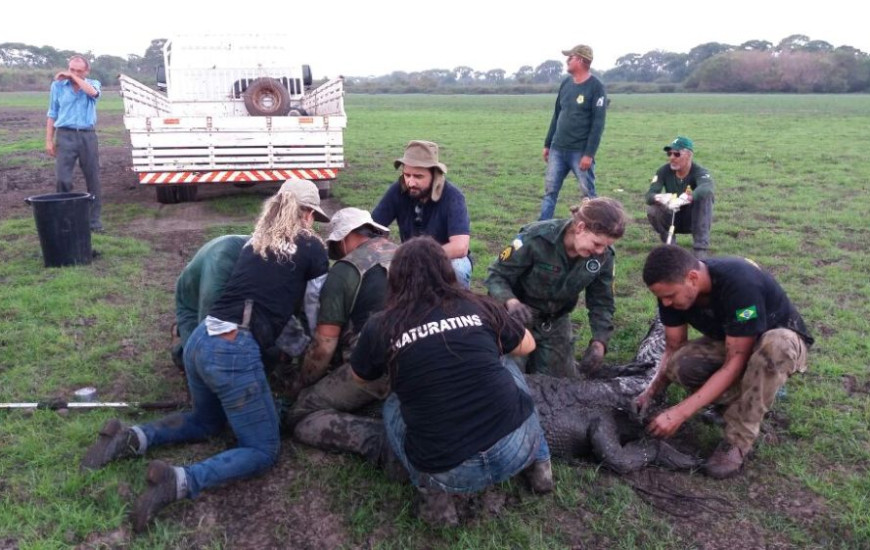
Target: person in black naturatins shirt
[
  {"x": 460, "y": 416},
  {"x": 753, "y": 341}
]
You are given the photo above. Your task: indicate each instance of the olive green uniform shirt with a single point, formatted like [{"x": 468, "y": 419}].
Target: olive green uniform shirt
[{"x": 536, "y": 270}]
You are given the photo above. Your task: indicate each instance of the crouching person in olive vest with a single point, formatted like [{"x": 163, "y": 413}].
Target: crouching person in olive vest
[{"x": 354, "y": 289}]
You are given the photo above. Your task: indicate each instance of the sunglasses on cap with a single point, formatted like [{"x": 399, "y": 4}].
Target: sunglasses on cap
[{"x": 675, "y": 154}]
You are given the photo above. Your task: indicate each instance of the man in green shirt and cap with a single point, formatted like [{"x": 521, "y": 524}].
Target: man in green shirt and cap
[{"x": 686, "y": 187}]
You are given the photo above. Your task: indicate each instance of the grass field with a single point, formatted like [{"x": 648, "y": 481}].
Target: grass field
[{"x": 792, "y": 177}]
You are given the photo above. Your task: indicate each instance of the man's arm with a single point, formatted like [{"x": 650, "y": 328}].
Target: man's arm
[
  {"x": 705, "y": 184},
  {"x": 81, "y": 83},
  {"x": 655, "y": 187},
  {"x": 457, "y": 246},
  {"x": 526, "y": 346},
  {"x": 317, "y": 358},
  {"x": 675, "y": 338},
  {"x": 385, "y": 212},
  {"x": 737, "y": 352},
  {"x": 596, "y": 126},
  {"x": 49, "y": 137}
]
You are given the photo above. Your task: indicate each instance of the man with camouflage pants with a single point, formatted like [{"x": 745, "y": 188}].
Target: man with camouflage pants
[
  {"x": 354, "y": 289},
  {"x": 753, "y": 341}
]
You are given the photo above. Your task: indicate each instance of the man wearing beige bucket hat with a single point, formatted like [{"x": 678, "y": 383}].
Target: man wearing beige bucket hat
[
  {"x": 575, "y": 130},
  {"x": 355, "y": 288},
  {"x": 423, "y": 202}
]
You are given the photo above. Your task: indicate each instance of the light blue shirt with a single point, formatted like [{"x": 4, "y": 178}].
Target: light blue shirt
[{"x": 71, "y": 109}]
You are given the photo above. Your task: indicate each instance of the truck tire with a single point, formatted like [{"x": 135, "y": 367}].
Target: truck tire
[
  {"x": 297, "y": 111},
  {"x": 267, "y": 97},
  {"x": 174, "y": 194}
]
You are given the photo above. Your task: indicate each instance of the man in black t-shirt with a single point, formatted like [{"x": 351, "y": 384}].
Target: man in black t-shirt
[{"x": 753, "y": 340}]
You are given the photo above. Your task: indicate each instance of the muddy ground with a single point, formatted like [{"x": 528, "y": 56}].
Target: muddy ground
[{"x": 267, "y": 512}]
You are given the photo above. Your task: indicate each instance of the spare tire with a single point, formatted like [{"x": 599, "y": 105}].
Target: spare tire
[{"x": 267, "y": 97}]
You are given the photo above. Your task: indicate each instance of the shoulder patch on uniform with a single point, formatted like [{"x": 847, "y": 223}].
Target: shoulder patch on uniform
[
  {"x": 747, "y": 314},
  {"x": 506, "y": 253},
  {"x": 655, "y": 178},
  {"x": 600, "y": 102}
]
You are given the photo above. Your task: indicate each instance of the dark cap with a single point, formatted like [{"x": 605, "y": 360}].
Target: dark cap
[{"x": 680, "y": 143}]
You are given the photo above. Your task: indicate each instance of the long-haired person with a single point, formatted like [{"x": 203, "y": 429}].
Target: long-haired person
[
  {"x": 540, "y": 276},
  {"x": 223, "y": 363},
  {"x": 460, "y": 416}
]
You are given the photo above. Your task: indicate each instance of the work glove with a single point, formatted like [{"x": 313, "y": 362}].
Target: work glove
[
  {"x": 677, "y": 202},
  {"x": 592, "y": 358},
  {"x": 663, "y": 198},
  {"x": 520, "y": 311}
]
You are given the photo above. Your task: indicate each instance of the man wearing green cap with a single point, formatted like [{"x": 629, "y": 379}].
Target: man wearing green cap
[
  {"x": 575, "y": 130},
  {"x": 681, "y": 177}
]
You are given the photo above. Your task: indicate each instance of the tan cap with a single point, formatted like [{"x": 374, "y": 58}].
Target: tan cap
[
  {"x": 580, "y": 50},
  {"x": 307, "y": 195},
  {"x": 349, "y": 219}
]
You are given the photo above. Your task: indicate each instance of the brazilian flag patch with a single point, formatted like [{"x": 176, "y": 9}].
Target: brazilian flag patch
[{"x": 747, "y": 314}]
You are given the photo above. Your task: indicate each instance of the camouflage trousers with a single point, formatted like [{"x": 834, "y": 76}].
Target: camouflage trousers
[
  {"x": 554, "y": 351},
  {"x": 312, "y": 415},
  {"x": 777, "y": 355}
]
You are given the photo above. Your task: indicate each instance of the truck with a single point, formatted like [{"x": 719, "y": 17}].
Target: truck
[{"x": 233, "y": 109}]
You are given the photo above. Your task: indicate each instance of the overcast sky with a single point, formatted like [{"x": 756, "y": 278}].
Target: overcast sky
[{"x": 376, "y": 37}]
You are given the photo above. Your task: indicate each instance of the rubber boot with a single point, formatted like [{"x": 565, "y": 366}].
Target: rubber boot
[
  {"x": 162, "y": 489},
  {"x": 114, "y": 441},
  {"x": 348, "y": 433},
  {"x": 540, "y": 477}
]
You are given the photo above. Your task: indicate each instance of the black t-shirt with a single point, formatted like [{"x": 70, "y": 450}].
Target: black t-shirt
[
  {"x": 745, "y": 301},
  {"x": 276, "y": 288},
  {"x": 457, "y": 398}
]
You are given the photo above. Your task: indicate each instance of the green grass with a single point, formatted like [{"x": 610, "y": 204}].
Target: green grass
[{"x": 792, "y": 176}]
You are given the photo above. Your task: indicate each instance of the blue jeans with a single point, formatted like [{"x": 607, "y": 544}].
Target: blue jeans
[
  {"x": 559, "y": 164},
  {"x": 462, "y": 267},
  {"x": 508, "y": 456},
  {"x": 228, "y": 385}
]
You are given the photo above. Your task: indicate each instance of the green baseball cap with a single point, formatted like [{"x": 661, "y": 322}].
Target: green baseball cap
[
  {"x": 680, "y": 143},
  {"x": 580, "y": 50}
]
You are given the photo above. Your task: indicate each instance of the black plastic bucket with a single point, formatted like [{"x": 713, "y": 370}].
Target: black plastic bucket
[{"x": 63, "y": 224}]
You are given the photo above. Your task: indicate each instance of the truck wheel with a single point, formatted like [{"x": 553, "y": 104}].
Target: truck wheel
[
  {"x": 174, "y": 194},
  {"x": 297, "y": 111},
  {"x": 267, "y": 97}
]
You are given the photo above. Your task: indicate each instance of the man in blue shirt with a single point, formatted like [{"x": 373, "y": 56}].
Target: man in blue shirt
[
  {"x": 423, "y": 202},
  {"x": 69, "y": 131}
]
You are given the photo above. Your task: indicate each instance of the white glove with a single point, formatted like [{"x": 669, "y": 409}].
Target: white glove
[
  {"x": 676, "y": 202},
  {"x": 663, "y": 198},
  {"x": 686, "y": 197}
]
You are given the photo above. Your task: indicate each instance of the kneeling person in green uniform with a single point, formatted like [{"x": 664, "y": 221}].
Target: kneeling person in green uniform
[
  {"x": 355, "y": 288},
  {"x": 753, "y": 341},
  {"x": 539, "y": 278}
]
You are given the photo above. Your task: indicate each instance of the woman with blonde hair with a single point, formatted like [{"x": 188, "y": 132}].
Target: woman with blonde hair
[
  {"x": 540, "y": 276},
  {"x": 223, "y": 364}
]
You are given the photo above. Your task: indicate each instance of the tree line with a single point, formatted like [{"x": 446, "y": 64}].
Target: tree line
[{"x": 796, "y": 64}]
